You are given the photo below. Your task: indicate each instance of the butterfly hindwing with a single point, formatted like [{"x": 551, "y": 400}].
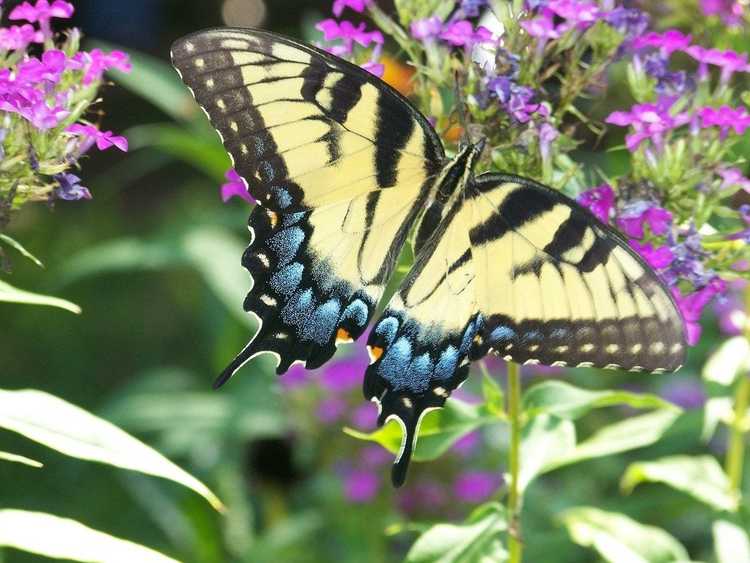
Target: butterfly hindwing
[
  {"x": 304, "y": 128},
  {"x": 558, "y": 287}
]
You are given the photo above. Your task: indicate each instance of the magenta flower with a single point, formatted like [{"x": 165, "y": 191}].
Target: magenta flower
[
  {"x": 42, "y": 13},
  {"x": 349, "y": 34},
  {"x": 726, "y": 118},
  {"x": 297, "y": 376},
  {"x": 356, "y": 5},
  {"x": 600, "y": 201},
  {"x": 50, "y": 68},
  {"x": 668, "y": 42},
  {"x": 466, "y": 445},
  {"x": 17, "y": 37},
  {"x": 476, "y": 486},
  {"x": 103, "y": 139},
  {"x": 360, "y": 485},
  {"x": 729, "y": 61},
  {"x": 729, "y": 11},
  {"x": 657, "y": 257},
  {"x": 640, "y": 214},
  {"x": 577, "y": 13},
  {"x": 365, "y": 416},
  {"x": 461, "y": 33},
  {"x": 237, "y": 187},
  {"x": 374, "y": 68},
  {"x": 96, "y": 62},
  {"x": 330, "y": 410},
  {"x": 649, "y": 121},
  {"x": 70, "y": 188},
  {"x": 730, "y": 310},
  {"x": 428, "y": 28},
  {"x": 375, "y": 456},
  {"x": 344, "y": 375},
  {"x": 542, "y": 27},
  {"x": 40, "y": 114},
  {"x": 691, "y": 306},
  {"x": 733, "y": 177}
]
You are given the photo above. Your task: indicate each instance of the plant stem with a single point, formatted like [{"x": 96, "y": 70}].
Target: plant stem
[
  {"x": 515, "y": 547},
  {"x": 736, "y": 451}
]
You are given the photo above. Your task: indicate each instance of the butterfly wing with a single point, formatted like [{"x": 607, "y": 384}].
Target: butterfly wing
[
  {"x": 304, "y": 128},
  {"x": 340, "y": 164},
  {"x": 519, "y": 269}
]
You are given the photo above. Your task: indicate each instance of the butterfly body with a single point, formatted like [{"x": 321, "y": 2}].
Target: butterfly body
[{"x": 344, "y": 169}]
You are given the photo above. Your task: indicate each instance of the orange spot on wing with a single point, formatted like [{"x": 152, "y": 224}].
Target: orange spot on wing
[
  {"x": 375, "y": 352},
  {"x": 274, "y": 217},
  {"x": 342, "y": 335}
]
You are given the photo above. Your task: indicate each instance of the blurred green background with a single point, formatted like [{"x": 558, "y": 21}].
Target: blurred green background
[{"x": 153, "y": 260}]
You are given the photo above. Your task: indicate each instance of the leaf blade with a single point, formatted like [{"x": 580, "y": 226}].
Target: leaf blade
[{"x": 10, "y": 294}]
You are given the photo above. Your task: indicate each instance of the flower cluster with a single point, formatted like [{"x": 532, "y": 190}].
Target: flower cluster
[{"x": 44, "y": 98}]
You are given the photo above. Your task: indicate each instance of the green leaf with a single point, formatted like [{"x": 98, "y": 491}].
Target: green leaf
[
  {"x": 716, "y": 409},
  {"x": 439, "y": 430},
  {"x": 629, "y": 434},
  {"x": 544, "y": 439},
  {"x": 493, "y": 394},
  {"x": 619, "y": 539},
  {"x": 156, "y": 81},
  {"x": 10, "y": 294},
  {"x": 566, "y": 401},
  {"x": 20, "y": 248},
  {"x": 5, "y": 456},
  {"x": 730, "y": 359},
  {"x": 731, "y": 543},
  {"x": 61, "y": 538},
  {"x": 477, "y": 540},
  {"x": 73, "y": 431},
  {"x": 701, "y": 477}
]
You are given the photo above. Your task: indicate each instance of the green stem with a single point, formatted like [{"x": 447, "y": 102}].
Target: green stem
[
  {"x": 515, "y": 547},
  {"x": 736, "y": 451}
]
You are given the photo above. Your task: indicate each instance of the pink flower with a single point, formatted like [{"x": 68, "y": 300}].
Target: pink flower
[
  {"x": 42, "y": 12},
  {"x": 330, "y": 410},
  {"x": 691, "y": 306},
  {"x": 428, "y": 28},
  {"x": 476, "y": 486},
  {"x": 17, "y": 37},
  {"x": 365, "y": 416},
  {"x": 600, "y": 201},
  {"x": 236, "y": 187},
  {"x": 579, "y": 14},
  {"x": 668, "y": 42},
  {"x": 657, "y": 257},
  {"x": 361, "y": 486},
  {"x": 641, "y": 214},
  {"x": 729, "y": 61},
  {"x": 461, "y": 33},
  {"x": 726, "y": 118},
  {"x": 541, "y": 27},
  {"x": 649, "y": 121},
  {"x": 50, "y": 68},
  {"x": 732, "y": 177},
  {"x": 103, "y": 139},
  {"x": 96, "y": 62},
  {"x": 374, "y": 68},
  {"x": 356, "y": 5}
]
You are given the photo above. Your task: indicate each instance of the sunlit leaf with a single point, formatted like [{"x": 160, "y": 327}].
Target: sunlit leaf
[
  {"x": 477, "y": 540},
  {"x": 716, "y": 409},
  {"x": 13, "y": 243},
  {"x": 10, "y": 294},
  {"x": 5, "y": 456},
  {"x": 699, "y": 476},
  {"x": 731, "y": 543},
  {"x": 729, "y": 360},
  {"x": 619, "y": 539},
  {"x": 61, "y": 538},
  {"x": 567, "y": 401},
  {"x": 493, "y": 395},
  {"x": 439, "y": 430},
  {"x": 73, "y": 431},
  {"x": 544, "y": 439}
]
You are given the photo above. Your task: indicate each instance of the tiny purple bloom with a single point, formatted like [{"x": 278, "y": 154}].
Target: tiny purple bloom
[
  {"x": 466, "y": 445},
  {"x": 360, "y": 485},
  {"x": 237, "y": 187},
  {"x": 691, "y": 306},
  {"x": 42, "y": 13},
  {"x": 577, "y": 13},
  {"x": 730, "y": 310},
  {"x": 649, "y": 121},
  {"x": 331, "y": 409},
  {"x": 17, "y": 37},
  {"x": 356, "y": 5},
  {"x": 640, "y": 214},
  {"x": 428, "y": 28},
  {"x": 344, "y": 375},
  {"x": 476, "y": 486},
  {"x": 726, "y": 118},
  {"x": 70, "y": 188},
  {"x": 374, "y": 68},
  {"x": 657, "y": 257},
  {"x": 733, "y": 177},
  {"x": 542, "y": 27},
  {"x": 668, "y": 42},
  {"x": 685, "y": 392},
  {"x": 631, "y": 23},
  {"x": 375, "y": 456},
  {"x": 297, "y": 376},
  {"x": 471, "y": 8},
  {"x": 103, "y": 139},
  {"x": 461, "y": 33},
  {"x": 365, "y": 416},
  {"x": 96, "y": 62},
  {"x": 600, "y": 201}
]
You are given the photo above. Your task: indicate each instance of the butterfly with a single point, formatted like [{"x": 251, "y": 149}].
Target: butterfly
[{"x": 345, "y": 170}]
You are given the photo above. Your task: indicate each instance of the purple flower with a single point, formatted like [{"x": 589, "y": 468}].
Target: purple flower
[
  {"x": 461, "y": 33},
  {"x": 331, "y": 409},
  {"x": 726, "y": 118},
  {"x": 42, "y": 12},
  {"x": 476, "y": 486},
  {"x": 344, "y": 375},
  {"x": 733, "y": 177},
  {"x": 467, "y": 444},
  {"x": 669, "y": 84},
  {"x": 640, "y": 214},
  {"x": 17, "y": 37},
  {"x": 631, "y": 23},
  {"x": 542, "y": 27},
  {"x": 577, "y": 13},
  {"x": 421, "y": 496},
  {"x": 356, "y": 5},
  {"x": 730, "y": 310},
  {"x": 649, "y": 121},
  {"x": 96, "y": 62},
  {"x": 297, "y": 376},
  {"x": 360, "y": 485},
  {"x": 103, "y": 139},
  {"x": 49, "y": 69},
  {"x": 729, "y": 61},
  {"x": 42, "y": 115},
  {"x": 547, "y": 135},
  {"x": 471, "y": 8},
  {"x": 729, "y": 11},
  {"x": 691, "y": 306},
  {"x": 374, "y": 68},
  {"x": 600, "y": 201},
  {"x": 516, "y": 99},
  {"x": 375, "y": 456},
  {"x": 428, "y": 28},
  {"x": 668, "y": 42},
  {"x": 657, "y": 257},
  {"x": 685, "y": 392},
  {"x": 237, "y": 187},
  {"x": 69, "y": 188},
  {"x": 365, "y": 416}
]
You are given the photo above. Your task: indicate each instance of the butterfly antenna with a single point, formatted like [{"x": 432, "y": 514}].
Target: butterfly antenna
[{"x": 463, "y": 115}]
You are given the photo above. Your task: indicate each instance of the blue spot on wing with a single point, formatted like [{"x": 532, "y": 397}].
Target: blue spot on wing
[
  {"x": 297, "y": 310},
  {"x": 282, "y": 197},
  {"x": 447, "y": 363},
  {"x": 356, "y": 312},
  {"x": 286, "y": 280},
  {"x": 292, "y": 218},
  {"x": 418, "y": 374},
  {"x": 395, "y": 362},
  {"x": 286, "y": 244},
  {"x": 387, "y": 329},
  {"x": 502, "y": 334},
  {"x": 319, "y": 328},
  {"x": 267, "y": 172}
]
